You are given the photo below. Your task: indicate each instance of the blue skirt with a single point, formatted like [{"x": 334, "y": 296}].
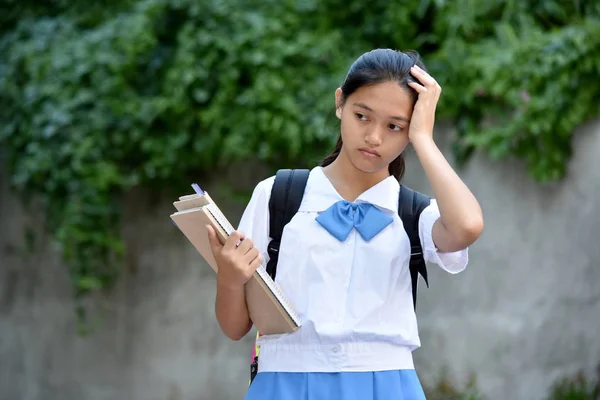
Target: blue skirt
[{"x": 383, "y": 385}]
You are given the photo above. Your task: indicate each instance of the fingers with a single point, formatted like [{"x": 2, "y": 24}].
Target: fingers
[
  {"x": 426, "y": 80},
  {"x": 245, "y": 245},
  {"x": 256, "y": 262},
  {"x": 251, "y": 255},
  {"x": 213, "y": 239},
  {"x": 233, "y": 240},
  {"x": 417, "y": 87},
  {"x": 237, "y": 247}
]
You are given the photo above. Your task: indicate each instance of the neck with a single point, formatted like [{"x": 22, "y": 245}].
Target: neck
[{"x": 350, "y": 181}]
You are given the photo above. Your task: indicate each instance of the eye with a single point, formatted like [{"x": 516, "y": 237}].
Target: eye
[
  {"x": 361, "y": 117},
  {"x": 395, "y": 127}
]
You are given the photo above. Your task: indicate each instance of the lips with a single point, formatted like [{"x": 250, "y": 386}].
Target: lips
[{"x": 370, "y": 152}]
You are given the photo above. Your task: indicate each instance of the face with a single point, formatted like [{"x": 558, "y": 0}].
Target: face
[{"x": 374, "y": 125}]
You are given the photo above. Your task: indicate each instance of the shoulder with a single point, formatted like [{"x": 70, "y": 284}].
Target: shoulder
[
  {"x": 262, "y": 192},
  {"x": 264, "y": 186},
  {"x": 431, "y": 208}
]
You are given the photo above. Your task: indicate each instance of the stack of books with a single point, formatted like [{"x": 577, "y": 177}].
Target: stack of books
[{"x": 269, "y": 309}]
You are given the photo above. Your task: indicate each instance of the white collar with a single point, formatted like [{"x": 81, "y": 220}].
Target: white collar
[{"x": 320, "y": 193}]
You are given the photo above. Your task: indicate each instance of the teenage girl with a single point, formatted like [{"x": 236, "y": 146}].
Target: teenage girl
[{"x": 350, "y": 281}]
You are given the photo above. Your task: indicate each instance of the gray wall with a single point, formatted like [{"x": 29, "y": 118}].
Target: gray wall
[{"x": 525, "y": 312}]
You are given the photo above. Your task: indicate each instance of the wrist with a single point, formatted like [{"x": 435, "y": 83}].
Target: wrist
[
  {"x": 229, "y": 285},
  {"x": 422, "y": 142}
]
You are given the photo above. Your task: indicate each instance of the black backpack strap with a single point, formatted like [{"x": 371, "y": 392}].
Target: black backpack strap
[
  {"x": 410, "y": 206},
  {"x": 286, "y": 196}
]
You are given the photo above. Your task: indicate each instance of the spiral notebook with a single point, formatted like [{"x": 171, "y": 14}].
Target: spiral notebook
[{"x": 269, "y": 309}]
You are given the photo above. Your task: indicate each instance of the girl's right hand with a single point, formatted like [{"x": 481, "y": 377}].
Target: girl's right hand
[{"x": 236, "y": 262}]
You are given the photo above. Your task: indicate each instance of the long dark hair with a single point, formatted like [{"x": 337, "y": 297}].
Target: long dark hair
[{"x": 376, "y": 66}]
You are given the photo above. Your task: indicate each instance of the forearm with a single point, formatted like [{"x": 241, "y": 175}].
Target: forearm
[
  {"x": 461, "y": 220},
  {"x": 232, "y": 312}
]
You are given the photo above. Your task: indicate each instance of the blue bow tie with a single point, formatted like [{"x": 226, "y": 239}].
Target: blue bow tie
[{"x": 341, "y": 217}]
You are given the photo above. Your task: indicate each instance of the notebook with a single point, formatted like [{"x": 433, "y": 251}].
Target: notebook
[{"x": 269, "y": 309}]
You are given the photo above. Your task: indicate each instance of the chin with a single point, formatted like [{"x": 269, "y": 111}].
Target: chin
[{"x": 368, "y": 167}]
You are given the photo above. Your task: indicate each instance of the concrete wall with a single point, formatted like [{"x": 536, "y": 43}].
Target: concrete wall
[{"x": 525, "y": 312}]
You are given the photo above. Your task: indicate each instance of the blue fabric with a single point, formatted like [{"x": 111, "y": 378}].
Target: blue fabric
[
  {"x": 383, "y": 385},
  {"x": 342, "y": 216}
]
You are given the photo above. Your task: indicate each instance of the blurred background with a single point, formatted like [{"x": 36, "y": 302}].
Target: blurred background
[{"x": 109, "y": 110}]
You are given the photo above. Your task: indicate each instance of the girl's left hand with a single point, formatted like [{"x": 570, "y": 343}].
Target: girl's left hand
[{"x": 423, "y": 116}]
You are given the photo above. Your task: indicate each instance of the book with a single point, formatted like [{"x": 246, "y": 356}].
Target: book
[{"x": 269, "y": 309}]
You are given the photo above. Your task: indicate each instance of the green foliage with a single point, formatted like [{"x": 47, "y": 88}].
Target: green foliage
[
  {"x": 444, "y": 389},
  {"x": 96, "y": 98},
  {"x": 526, "y": 83},
  {"x": 577, "y": 387}
]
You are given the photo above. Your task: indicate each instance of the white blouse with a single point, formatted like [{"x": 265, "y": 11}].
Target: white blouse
[{"x": 354, "y": 297}]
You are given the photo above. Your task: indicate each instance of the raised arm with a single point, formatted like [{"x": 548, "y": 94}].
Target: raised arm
[{"x": 461, "y": 217}]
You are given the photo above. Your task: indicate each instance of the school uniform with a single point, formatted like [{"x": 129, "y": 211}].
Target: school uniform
[{"x": 345, "y": 268}]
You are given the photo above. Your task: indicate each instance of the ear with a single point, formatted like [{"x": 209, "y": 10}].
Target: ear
[{"x": 338, "y": 102}]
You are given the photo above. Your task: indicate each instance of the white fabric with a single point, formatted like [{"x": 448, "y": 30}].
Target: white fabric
[{"x": 354, "y": 297}]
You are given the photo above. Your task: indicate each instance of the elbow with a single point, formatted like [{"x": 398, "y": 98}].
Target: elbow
[
  {"x": 235, "y": 336},
  {"x": 471, "y": 230},
  {"x": 236, "y": 333},
  {"x": 459, "y": 235}
]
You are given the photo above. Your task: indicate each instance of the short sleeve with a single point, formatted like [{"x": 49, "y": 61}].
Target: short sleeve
[
  {"x": 453, "y": 262},
  {"x": 254, "y": 222}
]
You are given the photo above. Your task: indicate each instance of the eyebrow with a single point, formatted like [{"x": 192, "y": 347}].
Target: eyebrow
[{"x": 364, "y": 106}]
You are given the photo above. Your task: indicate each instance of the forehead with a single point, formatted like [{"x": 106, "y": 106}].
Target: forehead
[{"x": 385, "y": 99}]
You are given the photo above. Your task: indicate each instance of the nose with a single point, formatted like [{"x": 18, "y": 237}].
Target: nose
[{"x": 374, "y": 137}]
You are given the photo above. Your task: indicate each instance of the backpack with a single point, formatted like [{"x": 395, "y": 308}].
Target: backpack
[{"x": 286, "y": 196}]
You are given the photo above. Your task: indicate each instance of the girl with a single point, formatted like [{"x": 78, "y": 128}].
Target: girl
[{"x": 352, "y": 288}]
